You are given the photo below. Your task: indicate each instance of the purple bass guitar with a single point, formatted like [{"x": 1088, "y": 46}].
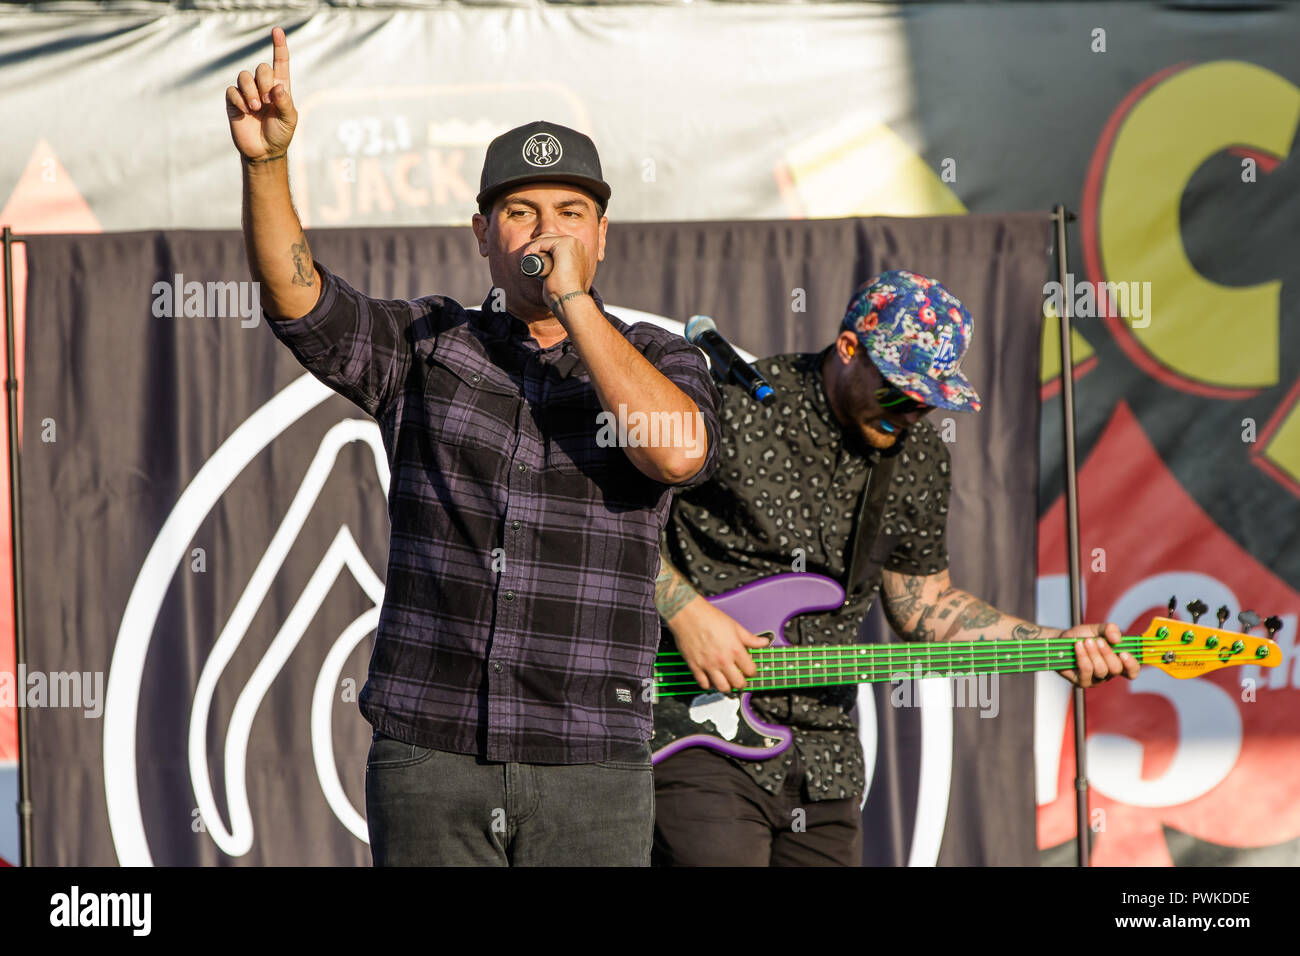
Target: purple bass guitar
[{"x": 686, "y": 716}]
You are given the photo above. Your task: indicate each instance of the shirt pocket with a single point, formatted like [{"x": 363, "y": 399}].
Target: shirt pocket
[
  {"x": 467, "y": 408},
  {"x": 578, "y": 439}
]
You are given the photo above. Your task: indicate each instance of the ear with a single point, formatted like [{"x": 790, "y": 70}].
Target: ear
[
  {"x": 600, "y": 239},
  {"x": 847, "y": 346},
  {"x": 480, "y": 224}
]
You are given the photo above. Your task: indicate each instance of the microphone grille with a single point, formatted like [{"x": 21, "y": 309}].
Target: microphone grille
[{"x": 697, "y": 325}]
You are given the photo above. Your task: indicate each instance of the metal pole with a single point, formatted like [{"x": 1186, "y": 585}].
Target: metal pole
[
  {"x": 16, "y": 552},
  {"x": 1062, "y": 216}
]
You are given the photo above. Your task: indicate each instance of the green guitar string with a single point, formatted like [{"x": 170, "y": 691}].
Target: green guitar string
[{"x": 835, "y": 665}]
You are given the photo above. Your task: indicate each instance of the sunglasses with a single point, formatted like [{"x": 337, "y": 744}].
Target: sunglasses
[{"x": 896, "y": 400}]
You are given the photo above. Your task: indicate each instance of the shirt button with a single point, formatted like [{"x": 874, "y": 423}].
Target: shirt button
[
  {"x": 515, "y": 525},
  {"x": 510, "y": 595},
  {"x": 523, "y": 467},
  {"x": 475, "y": 378},
  {"x": 496, "y": 667}
]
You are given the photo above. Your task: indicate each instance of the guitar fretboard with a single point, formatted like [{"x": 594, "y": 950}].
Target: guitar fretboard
[{"x": 782, "y": 668}]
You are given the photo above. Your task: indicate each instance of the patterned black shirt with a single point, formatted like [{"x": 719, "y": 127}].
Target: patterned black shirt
[{"x": 785, "y": 498}]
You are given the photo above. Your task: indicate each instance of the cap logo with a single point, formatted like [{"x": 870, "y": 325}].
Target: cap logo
[
  {"x": 945, "y": 355},
  {"x": 542, "y": 149}
]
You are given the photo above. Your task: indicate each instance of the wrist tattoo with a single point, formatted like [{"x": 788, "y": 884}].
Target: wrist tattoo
[
  {"x": 561, "y": 299},
  {"x": 1026, "y": 632}
]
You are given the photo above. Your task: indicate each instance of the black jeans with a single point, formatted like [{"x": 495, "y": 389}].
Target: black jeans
[
  {"x": 433, "y": 808},
  {"x": 709, "y": 812}
]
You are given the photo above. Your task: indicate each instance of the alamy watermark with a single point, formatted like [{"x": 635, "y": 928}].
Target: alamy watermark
[
  {"x": 969, "y": 690},
  {"x": 208, "y": 300},
  {"x": 652, "y": 430},
  {"x": 78, "y": 908},
  {"x": 84, "y": 689},
  {"x": 1090, "y": 300}
]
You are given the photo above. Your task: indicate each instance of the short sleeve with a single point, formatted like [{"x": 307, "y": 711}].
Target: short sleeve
[{"x": 917, "y": 504}]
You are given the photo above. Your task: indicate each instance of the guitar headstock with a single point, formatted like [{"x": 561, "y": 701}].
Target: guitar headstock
[{"x": 1183, "y": 649}]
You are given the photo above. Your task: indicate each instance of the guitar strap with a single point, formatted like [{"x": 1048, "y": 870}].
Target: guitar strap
[{"x": 870, "y": 548}]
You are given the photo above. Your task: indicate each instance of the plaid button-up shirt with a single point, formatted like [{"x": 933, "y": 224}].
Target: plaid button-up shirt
[{"x": 518, "y": 620}]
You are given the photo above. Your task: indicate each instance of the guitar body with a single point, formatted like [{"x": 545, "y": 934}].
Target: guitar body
[{"x": 726, "y": 722}]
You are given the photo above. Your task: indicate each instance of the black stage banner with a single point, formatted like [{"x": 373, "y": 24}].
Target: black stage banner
[{"x": 206, "y": 528}]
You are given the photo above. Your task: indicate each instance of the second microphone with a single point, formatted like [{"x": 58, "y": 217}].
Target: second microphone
[{"x": 702, "y": 332}]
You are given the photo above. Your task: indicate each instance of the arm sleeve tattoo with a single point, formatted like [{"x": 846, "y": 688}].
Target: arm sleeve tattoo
[{"x": 672, "y": 592}]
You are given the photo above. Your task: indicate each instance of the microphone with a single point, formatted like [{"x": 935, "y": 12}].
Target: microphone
[
  {"x": 535, "y": 265},
  {"x": 701, "y": 331}
]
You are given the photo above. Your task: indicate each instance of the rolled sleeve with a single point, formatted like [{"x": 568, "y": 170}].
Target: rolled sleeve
[
  {"x": 683, "y": 365},
  {"x": 353, "y": 343}
]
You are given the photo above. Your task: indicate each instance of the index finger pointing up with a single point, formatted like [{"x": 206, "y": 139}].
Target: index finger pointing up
[{"x": 280, "y": 57}]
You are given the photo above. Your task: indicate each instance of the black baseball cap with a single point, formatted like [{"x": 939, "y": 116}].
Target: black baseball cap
[{"x": 541, "y": 152}]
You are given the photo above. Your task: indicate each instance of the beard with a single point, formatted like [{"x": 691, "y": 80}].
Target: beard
[{"x": 878, "y": 438}]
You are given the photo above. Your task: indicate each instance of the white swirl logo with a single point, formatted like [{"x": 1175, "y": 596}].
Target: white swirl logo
[{"x": 121, "y": 712}]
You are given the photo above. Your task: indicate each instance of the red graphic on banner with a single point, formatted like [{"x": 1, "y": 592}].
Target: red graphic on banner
[
  {"x": 1133, "y": 508},
  {"x": 45, "y": 199}
]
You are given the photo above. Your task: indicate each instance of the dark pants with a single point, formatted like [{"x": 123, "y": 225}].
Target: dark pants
[
  {"x": 709, "y": 812},
  {"x": 432, "y": 808}
]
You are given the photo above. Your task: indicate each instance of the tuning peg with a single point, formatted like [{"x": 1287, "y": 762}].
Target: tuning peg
[
  {"x": 1248, "y": 620},
  {"x": 1173, "y": 605},
  {"x": 1272, "y": 625},
  {"x": 1222, "y": 614},
  {"x": 1196, "y": 608}
]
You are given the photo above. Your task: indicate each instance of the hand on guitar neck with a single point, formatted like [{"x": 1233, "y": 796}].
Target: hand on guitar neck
[{"x": 1097, "y": 660}]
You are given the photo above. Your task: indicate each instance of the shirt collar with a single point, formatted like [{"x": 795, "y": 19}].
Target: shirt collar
[{"x": 512, "y": 331}]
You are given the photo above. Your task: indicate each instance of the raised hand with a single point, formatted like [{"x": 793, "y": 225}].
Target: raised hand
[{"x": 260, "y": 106}]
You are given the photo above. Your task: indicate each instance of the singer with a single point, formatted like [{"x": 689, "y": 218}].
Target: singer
[
  {"x": 841, "y": 476},
  {"x": 505, "y": 686}
]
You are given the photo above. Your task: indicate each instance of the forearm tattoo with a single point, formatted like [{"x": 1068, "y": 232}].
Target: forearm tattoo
[
  {"x": 975, "y": 615},
  {"x": 672, "y": 593},
  {"x": 922, "y": 631},
  {"x": 304, "y": 272},
  {"x": 972, "y": 614},
  {"x": 953, "y": 614},
  {"x": 902, "y": 595}
]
